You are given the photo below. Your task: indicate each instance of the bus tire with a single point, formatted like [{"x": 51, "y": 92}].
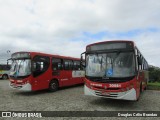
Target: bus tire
[
  {"x": 53, "y": 85},
  {"x": 5, "y": 77},
  {"x": 141, "y": 89},
  {"x": 145, "y": 88}
]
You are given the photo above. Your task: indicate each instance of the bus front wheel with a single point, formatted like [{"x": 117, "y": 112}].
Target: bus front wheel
[{"x": 53, "y": 86}]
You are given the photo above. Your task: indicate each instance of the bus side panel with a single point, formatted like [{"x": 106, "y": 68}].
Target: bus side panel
[
  {"x": 78, "y": 76},
  {"x": 59, "y": 75},
  {"x": 65, "y": 78},
  {"x": 141, "y": 81},
  {"x": 0, "y": 75},
  {"x": 2, "y": 72},
  {"x": 69, "y": 77},
  {"x": 42, "y": 81},
  {"x": 146, "y": 78},
  {"x": 143, "y": 78}
]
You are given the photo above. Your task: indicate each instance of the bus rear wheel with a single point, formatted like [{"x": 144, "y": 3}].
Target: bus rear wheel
[
  {"x": 5, "y": 77},
  {"x": 53, "y": 86}
]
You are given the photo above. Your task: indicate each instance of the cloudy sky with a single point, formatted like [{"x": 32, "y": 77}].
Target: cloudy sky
[{"x": 65, "y": 27}]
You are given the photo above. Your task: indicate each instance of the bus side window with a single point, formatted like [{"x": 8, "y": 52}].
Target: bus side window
[
  {"x": 76, "y": 65},
  {"x": 5, "y": 67},
  {"x": 71, "y": 65},
  {"x": 40, "y": 65},
  {"x": 143, "y": 64},
  {"x": 136, "y": 59},
  {"x": 56, "y": 64},
  {"x": 68, "y": 64},
  {"x": 8, "y": 67},
  {"x": 139, "y": 57}
]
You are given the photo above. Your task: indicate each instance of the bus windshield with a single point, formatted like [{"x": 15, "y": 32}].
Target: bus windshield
[
  {"x": 20, "y": 68},
  {"x": 115, "y": 64}
]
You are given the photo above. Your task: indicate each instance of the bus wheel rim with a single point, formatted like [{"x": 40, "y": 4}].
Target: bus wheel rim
[{"x": 53, "y": 85}]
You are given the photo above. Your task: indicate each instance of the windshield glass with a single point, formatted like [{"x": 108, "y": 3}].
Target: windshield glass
[
  {"x": 117, "y": 64},
  {"x": 21, "y": 67}
]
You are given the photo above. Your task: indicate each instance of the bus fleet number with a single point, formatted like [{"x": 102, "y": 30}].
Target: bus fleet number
[{"x": 114, "y": 85}]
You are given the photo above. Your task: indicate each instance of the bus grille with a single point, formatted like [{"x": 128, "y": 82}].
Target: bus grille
[
  {"x": 14, "y": 86},
  {"x": 100, "y": 88},
  {"x": 104, "y": 94}
]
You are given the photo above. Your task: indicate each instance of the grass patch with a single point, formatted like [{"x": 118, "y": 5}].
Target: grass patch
[{"x": 153, "y": 86}]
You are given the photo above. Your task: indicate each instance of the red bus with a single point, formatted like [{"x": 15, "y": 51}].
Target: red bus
[
  {"x": 31, "y": 71},
  {"x": 115, "y": 69}
]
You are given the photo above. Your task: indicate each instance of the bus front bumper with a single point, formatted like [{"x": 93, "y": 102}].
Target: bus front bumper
[
  {"x": 26, "y": 87},
  {"x": 127, "y": 95}
]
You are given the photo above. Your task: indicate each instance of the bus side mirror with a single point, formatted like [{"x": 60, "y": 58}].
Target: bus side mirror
[
  {"x": 82, "y": 63},
  {"x": 8, "y": 61},
  {"x": 139, "y": 60}
]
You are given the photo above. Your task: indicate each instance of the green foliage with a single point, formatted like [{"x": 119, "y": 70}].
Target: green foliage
[
  {"x": 153, "y": 86},
  {"x": 154, "y": 74}
]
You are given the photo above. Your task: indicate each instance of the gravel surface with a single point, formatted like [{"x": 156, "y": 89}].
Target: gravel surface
[{"x": 72, "y": 99}]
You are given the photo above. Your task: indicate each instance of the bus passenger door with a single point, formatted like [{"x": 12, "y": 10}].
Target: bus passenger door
[
  {"x": 41, "y": 72},
  {"x": 66, "y": 77}
]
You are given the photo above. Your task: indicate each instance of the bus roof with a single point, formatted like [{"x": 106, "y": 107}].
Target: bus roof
[
  {"x": 112, "y": 42},
  {"x": 49, "y": 55},
  {"x": 118, "y": 41}
]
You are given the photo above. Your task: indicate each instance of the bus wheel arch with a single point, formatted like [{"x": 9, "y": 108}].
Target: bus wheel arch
[
  {"x": 4, "y": 76},
  {"x": 53, "y": 85}
]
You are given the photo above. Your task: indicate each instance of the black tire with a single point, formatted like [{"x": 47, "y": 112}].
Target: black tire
[
  {"x": 141, "y": 88},
  {"x": 53, "y": 86},
  {"x": 5, "y": 77},
  {"x": 146, "y": 87}
]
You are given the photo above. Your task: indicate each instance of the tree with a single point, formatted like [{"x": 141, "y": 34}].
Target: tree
[{"x": 154, "y": 74}]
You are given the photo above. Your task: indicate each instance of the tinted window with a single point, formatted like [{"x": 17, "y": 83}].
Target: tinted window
[
  {"x": 40, "y": 65},
  {"x": 5, "y": 67},
  {"x": 76, "y": 65},
  {"x": 56, "y": 64},
  {"x": 68, "y": 64}
]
